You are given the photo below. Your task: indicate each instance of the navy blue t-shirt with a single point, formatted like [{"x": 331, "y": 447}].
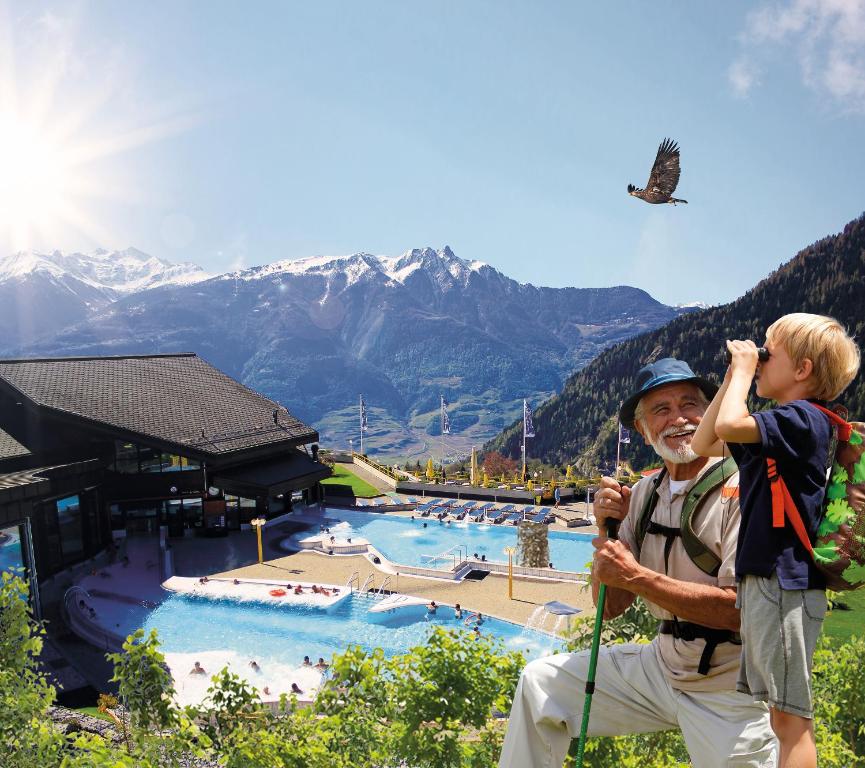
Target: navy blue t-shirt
[{"x": 798, "y": 436}]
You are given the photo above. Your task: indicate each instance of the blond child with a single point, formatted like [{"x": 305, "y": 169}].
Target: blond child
[{"x": 781, "y": 594}]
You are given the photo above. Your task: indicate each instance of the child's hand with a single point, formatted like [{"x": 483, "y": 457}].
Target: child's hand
[{"x": 744, "y": 357}]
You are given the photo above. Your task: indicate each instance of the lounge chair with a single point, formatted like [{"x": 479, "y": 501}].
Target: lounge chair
[
  {"x": 477, "y": 514},
  {"x": 501, "y": 512},
  {"x": 540, "y": 517},
  {"x": 514, "y": 517}
]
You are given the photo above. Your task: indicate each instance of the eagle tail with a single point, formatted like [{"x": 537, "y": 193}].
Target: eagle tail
[{"x": 676, "y": 200}]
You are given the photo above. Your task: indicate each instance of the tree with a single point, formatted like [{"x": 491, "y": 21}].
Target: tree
[
  {"x": 495, "y": 464},
  {"x": 430, "y": 469},
  {"x": 569, "y": 472}
]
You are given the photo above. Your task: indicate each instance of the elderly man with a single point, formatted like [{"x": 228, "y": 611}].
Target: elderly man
[{"x": 686, "y": 677}]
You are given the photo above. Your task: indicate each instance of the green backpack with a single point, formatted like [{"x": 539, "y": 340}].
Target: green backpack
[{"x": 706, "y": 560}]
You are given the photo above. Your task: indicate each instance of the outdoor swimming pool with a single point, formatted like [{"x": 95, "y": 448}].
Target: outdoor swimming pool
[
  {"x": 406, "y": 541},
  {"x": 220, "y": 632}
]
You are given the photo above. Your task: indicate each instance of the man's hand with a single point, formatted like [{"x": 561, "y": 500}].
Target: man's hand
[
  {"x": 613, "y": 563},
  {"x": 611, "y": 501}
]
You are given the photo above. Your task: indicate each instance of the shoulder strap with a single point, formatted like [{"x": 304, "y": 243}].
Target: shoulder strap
[
  {"x": 648, "y": 508},
  {"x": 703, "y": 557},
  {"x": 843, "y": 426}
]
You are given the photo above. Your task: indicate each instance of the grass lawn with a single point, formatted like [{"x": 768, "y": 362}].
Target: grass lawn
[
  {"x": 841, "y": 625},
  {"x": 94, "y": 712},
  {"x": 342, "y": 476}
]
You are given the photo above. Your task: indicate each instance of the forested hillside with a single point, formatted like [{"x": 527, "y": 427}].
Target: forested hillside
[{"x": 827, "y": 277}]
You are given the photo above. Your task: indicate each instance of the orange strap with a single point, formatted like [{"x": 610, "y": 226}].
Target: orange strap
[
  {"x": 845, "y": 429},
  {"x": 782, "y": 502}
]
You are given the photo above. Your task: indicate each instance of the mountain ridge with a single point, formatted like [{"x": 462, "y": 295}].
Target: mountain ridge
[
  {"x": 579, "y": 423},
  {"x": 402, "y": 330}
]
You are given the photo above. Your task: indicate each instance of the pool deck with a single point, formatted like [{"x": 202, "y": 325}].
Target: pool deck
[{"x": 489, "y": 596}]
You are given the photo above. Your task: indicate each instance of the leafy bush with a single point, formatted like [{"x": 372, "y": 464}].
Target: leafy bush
[{"x": 431, "y": 707}]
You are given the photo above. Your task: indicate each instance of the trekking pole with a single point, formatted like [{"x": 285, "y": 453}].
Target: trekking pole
[{"x": 612, "y": 526}]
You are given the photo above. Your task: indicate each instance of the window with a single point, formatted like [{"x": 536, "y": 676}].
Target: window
[
  {"x": 70, "y": 528},
  {"x": 10, "y": 549},
  {"x": 192, "y": 513},
  {"x": 150, "y": 459},
  {"x": 126, "y": 457},
  {"x": 247, "y": 509}
]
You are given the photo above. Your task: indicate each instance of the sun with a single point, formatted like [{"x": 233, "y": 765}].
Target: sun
[{"x": 64, "y": 174}]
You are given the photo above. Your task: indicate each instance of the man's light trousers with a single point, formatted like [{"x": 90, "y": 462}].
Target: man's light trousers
[{"x": 632, "y": 695}]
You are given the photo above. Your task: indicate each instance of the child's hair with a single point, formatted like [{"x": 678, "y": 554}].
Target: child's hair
[{"x": 823, "y": 341}]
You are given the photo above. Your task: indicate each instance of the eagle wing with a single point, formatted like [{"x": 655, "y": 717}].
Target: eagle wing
[{"x": 665, "y": 172}]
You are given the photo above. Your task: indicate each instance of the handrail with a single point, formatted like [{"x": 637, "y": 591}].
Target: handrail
[
  {"x": 449, "y": 552},
  {"x": 369, "y": 578},
  {"x": 383, "y": 585},
  {"x": 351, "y": 580}
]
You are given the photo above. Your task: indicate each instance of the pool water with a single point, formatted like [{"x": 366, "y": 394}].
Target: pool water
[
  {"x": 406, "y": 541},
  {"x": 287, "y": 633}
]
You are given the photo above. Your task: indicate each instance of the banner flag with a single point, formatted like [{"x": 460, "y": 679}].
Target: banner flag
[
  {"x": 363, "y": 425},
  {"x": 624, "y": 435},
  {"x": 446, "y": 422},
  {"x": 528, "y": 427}
]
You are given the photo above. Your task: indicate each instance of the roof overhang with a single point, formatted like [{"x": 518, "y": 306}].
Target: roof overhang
[{"x": 291, "y": 471}]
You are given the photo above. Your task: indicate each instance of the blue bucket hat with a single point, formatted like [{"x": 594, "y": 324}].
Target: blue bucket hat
[{"x": 657, "y": 374}]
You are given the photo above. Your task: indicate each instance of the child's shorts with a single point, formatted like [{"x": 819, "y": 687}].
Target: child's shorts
[{"x": 780, "y": 628}]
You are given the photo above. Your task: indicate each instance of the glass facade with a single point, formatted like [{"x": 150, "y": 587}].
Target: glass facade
[
  {"x": 132, "y": 459},
  {"x": 145, "y": 516}
]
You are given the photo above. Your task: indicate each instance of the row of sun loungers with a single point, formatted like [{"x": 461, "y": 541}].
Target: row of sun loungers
[{"x": 486, "y": 513}]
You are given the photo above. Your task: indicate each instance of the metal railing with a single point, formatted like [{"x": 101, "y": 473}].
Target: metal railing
[
  {"x": 378, "y": 592},
  {"x": 448, "y": 555},
  {"x": 369, "y": 579},
  {"x": 355, "y": 577}
]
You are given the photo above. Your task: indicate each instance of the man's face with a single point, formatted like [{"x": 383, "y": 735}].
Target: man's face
[{"x": 670, "y": 417}]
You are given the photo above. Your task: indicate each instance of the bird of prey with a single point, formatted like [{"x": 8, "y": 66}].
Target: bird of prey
[{"x": 663, "y": 178}]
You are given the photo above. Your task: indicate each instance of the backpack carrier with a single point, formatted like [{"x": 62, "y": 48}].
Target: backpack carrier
[
  {"x": 703, "y": 557},
  {"x": 839, "y": 550}
]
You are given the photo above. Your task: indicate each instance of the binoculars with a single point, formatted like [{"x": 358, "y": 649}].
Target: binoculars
[{"x": 762, "y": 355}]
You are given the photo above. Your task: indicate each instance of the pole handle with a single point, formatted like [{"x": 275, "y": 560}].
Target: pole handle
[{"x": 612, "y": 527}]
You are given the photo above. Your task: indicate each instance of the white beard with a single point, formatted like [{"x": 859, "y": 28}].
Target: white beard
[{"x": 684, "y": 454}]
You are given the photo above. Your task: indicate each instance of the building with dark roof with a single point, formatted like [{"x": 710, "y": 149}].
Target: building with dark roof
[{"x": 146, "y": 441}]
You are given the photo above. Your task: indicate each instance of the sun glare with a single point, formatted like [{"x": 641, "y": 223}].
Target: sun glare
[
  {"x": 63, "y": 137},
  {"x": 34, "y": 179}
]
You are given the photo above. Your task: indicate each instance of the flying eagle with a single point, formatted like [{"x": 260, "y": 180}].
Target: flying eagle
[{"x": 663, "y": 178}]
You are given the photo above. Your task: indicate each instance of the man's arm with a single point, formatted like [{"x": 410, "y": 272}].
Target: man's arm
[{"x": 698, "y": 603}]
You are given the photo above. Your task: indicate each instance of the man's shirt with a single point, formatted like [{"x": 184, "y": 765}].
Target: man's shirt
[
  {"x": 798, "y": 436},
  {"x": 716, "y": 523}
]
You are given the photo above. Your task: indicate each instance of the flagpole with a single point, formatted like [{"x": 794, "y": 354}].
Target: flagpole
[
  {"x": 360, "y": 405},
  {"x": 524, "y": 441},
  {"x": 442, "y": 425}
]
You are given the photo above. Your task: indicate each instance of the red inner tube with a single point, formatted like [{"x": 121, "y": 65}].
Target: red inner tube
[{"x": 277, "y": 592}]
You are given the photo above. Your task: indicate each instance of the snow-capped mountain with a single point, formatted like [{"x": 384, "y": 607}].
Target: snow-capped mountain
[
  {"x": 42, "y": 293},
  {"x": 403, "y": 330},
  {"x": 115, "y": 273}
]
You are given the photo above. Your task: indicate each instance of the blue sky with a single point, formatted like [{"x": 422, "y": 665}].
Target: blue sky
[{"x": 234, "y": 134}]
